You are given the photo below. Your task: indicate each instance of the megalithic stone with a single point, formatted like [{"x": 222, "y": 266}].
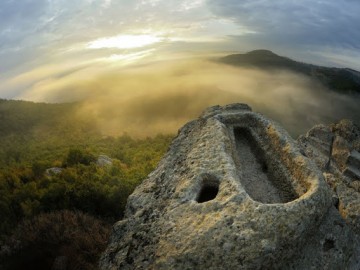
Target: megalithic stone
[{"x": 233, "y": 192}]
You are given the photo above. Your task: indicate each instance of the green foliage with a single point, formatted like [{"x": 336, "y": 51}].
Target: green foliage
[
  {"x": 77, "y": 156},
  {"x": 82, "y": 184},
  {"x": 41, "y": 132},
  {"x": 50, "y": 138},
  {"x": 44, "y": 208},
  {"x": 39, "y": 168}
]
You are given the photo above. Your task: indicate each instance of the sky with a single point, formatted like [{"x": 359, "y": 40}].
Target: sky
[{"x": 62, "y": 51}]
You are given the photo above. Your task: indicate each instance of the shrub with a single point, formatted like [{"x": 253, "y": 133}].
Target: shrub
[
  {"x": 74, "y": 238},
  {"x": 77, "y": 156}
]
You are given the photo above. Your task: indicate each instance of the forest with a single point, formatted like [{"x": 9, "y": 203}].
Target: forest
[{"x": 60, "y": 174}]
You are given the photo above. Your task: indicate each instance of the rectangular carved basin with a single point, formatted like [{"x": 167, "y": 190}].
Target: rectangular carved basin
[{"x": 259, "y": 175}]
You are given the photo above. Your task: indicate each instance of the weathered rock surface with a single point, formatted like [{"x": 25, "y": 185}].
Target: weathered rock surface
[
  {"x": 335, "y": 149},
  {"x": 235, "y": 191}
]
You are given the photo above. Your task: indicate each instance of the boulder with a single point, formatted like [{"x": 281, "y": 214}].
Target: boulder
[
  {"x": 53, "y": 171},
  {"x": 340, "y": 164},
  {"x": 104, "y": 161},
  {"x": 235, "y": 191}
]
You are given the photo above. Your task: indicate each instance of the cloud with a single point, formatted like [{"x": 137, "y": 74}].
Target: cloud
[
  {"x": 66, "y": 22},
  {"x": 18, "y": 23},
  {"x": 36, "y": 33},
  {"x": 160, "y": 97},
  {"x": 33, "y": 31},
  {"x": 18, "y": 19},
  {"x": 330, "y": 23}
]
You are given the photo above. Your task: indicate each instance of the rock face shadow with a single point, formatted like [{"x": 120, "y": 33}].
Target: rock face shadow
[{"x": 259, "y": 176}]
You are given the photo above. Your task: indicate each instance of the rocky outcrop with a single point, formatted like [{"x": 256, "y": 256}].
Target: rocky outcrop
[
  {"x": 335, "y": 149},
  {"x": 235, "y": 191}
]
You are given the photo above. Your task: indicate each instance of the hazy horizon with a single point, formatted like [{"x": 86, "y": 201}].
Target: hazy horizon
[
  {"x": 160, "y": 97},
  {"x": 146, "y": 63}
]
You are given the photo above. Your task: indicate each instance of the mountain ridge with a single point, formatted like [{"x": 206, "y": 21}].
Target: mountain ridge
[{"x": 342, "y": 80}]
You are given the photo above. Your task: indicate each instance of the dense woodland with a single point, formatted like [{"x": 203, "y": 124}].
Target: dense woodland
[{"x": 35, "y": 137}]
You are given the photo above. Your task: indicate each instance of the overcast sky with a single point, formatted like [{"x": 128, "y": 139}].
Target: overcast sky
[{"x": 47, "y": 39}]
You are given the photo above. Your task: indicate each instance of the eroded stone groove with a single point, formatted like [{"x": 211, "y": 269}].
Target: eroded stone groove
[
  {"x": 261, "y": 178},
  {"x": 253, "y": 170}
]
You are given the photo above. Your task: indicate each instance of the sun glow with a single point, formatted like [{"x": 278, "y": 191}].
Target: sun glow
[
  {"x": 127, "y": 58},
  {"x": 124, "y": 42}
]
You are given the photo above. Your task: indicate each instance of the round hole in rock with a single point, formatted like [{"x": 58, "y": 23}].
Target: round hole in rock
[{"x": 208, "y": 192}]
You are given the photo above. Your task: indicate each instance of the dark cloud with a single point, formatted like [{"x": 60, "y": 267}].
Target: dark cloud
[{"x": 307, "y": 22}]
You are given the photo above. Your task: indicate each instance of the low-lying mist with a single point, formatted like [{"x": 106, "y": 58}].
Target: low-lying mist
[{"x": 161, "y": 97}]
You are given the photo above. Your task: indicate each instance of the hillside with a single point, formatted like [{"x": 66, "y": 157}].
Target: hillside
[
  {"x": 38, "y": 136},
  {"x": 59, "y": 173},
  {"x": 343, "y": 80},
  {"x": 33, "y": 131}
]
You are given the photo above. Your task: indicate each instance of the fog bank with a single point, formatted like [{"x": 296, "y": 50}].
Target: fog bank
[{"x": 161, "y": 97}]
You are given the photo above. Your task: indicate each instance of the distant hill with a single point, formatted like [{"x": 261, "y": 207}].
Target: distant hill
[
  {"x": 24, "y": 117},
  {"x": 343, "y": 80},
  {"x": 28, "y": 130}
]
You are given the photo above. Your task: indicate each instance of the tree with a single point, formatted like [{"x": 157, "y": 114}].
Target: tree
[{"x": 77, "y": 156}]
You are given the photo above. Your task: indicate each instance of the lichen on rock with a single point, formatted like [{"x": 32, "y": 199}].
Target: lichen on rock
[{"x": 234, "y": 191}]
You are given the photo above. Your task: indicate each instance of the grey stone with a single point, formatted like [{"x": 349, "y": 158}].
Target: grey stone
[
  {"x": 235, "y": 191},
  {"x": 53, "y": 171},
  {"x": 352, "y": 169},
  {"x": 344, "y": 170},
  {"x": 104, "y": 161}
]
